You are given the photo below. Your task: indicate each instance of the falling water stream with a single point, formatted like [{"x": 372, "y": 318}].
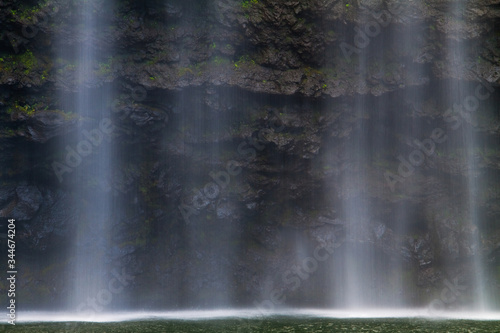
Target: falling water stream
[
  {"x": 460, "y": 94},
  {"x": 92, "y": 173},
  {"x": 212, "y": 243}
]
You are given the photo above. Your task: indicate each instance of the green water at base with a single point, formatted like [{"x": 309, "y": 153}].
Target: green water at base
[{"x": 283, "y": 325}]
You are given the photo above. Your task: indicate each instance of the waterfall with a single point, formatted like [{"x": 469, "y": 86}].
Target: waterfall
[
  {"x": 359, "y": 263},
  {"x": 460, "y": 93},
  {"x": 209, "y": 236},
  {"x": 360, "y": 279},
  {"x": 217, "y": 208},
  {"x": 91, "y": 173}
]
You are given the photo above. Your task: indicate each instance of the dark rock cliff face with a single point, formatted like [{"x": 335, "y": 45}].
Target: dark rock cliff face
[{"x": 273, "y": 87}]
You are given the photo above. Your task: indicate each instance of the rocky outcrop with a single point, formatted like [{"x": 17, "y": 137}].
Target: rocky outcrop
[{"x": 250, "y": 122}]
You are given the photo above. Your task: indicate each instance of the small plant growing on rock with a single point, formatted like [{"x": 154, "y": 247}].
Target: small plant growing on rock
[
  {"x": 248, "y": 3},
  {"x": 26, "y": 109}
]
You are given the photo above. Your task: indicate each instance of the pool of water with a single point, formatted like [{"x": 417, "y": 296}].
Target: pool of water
[
  {"x": 253, "y": 321},
  {"x": 276, "y": 324}
]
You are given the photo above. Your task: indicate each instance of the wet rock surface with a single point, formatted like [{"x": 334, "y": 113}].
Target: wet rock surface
[{"x": 274, "y": 88}]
